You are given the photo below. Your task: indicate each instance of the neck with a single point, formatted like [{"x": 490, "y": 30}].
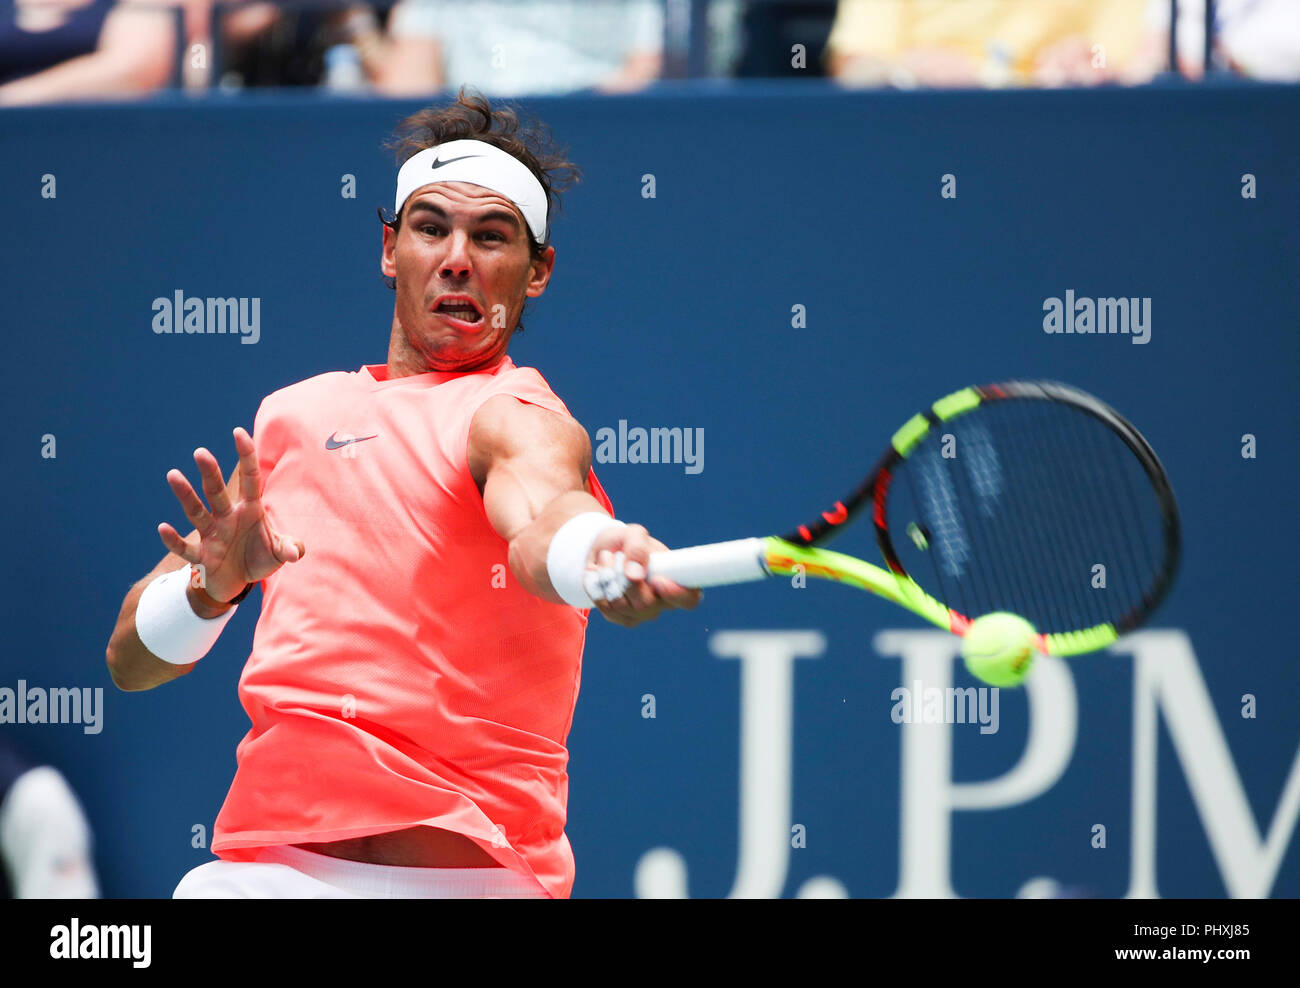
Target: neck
[
  {"x": 400, "y": 368},
  {"x": 405, "y": 361}
]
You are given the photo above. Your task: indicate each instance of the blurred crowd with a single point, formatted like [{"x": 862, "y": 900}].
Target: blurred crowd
[{"x": 60, "y": 50}]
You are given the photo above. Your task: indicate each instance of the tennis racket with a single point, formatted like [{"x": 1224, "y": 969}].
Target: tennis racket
[{"x": 1027, "y": 496}]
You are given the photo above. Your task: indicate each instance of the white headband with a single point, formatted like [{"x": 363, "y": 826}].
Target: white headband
[{"x": 478, "y": 163}]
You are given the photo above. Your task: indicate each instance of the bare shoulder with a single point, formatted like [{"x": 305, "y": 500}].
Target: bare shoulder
[{"x": 506, "y": 427}]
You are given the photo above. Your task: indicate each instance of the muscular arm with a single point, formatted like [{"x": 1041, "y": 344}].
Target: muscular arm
[{"x": 531, "y": 466}]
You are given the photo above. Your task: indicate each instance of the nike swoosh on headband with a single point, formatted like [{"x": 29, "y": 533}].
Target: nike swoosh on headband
[
  {"x": 448, "y": 161},
  {"x": 333, "y": 443},
  {"x": 478, "y": 163}
]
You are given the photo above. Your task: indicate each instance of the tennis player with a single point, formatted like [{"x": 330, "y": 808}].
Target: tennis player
[{"x": 420, "y": 530}]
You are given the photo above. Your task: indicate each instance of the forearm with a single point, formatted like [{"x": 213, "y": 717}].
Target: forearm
[
  {"x": 529, "y": 547},
  {"x": 92, "y": 76},
  {"x": 132, "y": 666}
]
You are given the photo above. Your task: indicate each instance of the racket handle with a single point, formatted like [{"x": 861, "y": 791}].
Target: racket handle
[{"x": 712, "y": 565}]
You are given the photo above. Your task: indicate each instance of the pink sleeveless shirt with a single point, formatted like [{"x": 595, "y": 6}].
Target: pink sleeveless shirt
[{"x": 400, "y": 675}]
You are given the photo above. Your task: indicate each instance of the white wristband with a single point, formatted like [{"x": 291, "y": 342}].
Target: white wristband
[
  {"x": 167, "y": 624},
  {"x": 566, "y": 559}
]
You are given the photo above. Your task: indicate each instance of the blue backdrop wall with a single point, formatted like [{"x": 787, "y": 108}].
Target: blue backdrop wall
[{"x": 676, "y": 310}]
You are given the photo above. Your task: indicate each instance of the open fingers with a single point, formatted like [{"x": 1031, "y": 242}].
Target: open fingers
[
  {"x": 250, "y": 477},
  {"x": 214, "y": 485},
  {"x": 177, "y": 545},
  {"x": 190, "y": 503}
]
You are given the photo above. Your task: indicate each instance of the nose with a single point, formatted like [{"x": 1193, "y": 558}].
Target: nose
[{"x": 456, "y": 262}]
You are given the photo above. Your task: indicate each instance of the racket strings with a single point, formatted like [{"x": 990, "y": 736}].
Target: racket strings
[
  {"x": 1078, "y": 608},
  {"x": 929, "y": 538},
  {"x": 1060, "y": 522},
  {"x": 1122, "y": 576},
  {"x": 979, "y": 474},
  {"x": 1149, "y": 559},
  {"x": 982, "y": 474},
  {"x": 1037, "y": 536},
  {"x": 1030, "y": 499}
]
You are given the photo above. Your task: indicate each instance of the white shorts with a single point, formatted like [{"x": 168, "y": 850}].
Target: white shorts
[{"x": 287, "y": 872}]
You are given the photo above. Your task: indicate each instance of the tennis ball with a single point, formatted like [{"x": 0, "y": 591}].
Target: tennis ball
[{"x": 999, "y": 648}]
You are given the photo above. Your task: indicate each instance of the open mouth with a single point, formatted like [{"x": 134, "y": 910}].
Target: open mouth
[{"x": 459, "y": 308}]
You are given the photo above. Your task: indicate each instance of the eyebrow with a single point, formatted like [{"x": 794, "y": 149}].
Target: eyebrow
[{"x": 500, "y": 215}]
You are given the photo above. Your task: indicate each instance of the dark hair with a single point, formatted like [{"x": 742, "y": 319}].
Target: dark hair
[{"x": 472, "y": 117}]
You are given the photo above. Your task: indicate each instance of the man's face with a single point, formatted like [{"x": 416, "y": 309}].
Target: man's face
[{"x": 463, "y": 268}]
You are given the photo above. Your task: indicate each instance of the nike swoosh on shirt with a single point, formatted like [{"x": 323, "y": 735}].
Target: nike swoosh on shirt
[{"x": 332, "y": 443}]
